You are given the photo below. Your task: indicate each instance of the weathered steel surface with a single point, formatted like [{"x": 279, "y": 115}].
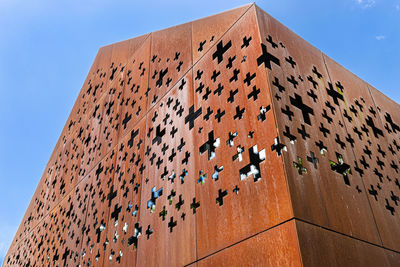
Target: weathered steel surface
[
  {"x": 57, "y": 238},
  {"x": 311, "y": 122},
  {"x": 388, "y": 120},
  {"x": 320, "y": 247},
  {"x": 200, "y": 144},
  {"x": 393, "y": 258},
  {"x": 275, "y": 247},
  {"x": 168, "y": 187},
  {"x": 376, "y": 164},
  {"x": 206, "y": 32},
  {"x": 133, "y": 101},
  {"x": 124, "y": 210},
  {"x": 171, "y": 57},
  {"x": 240, "y": 182},
  {"x": 102, "y": 192}
]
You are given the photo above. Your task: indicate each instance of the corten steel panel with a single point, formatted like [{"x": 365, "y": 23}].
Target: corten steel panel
[
  {"x": 96, "y": 82},
  {"x": 108, "y": 67},
  {"x": 73, "y": 151},
  {"x": 44, "y": 198},
  {"x": 21, "y": 252},
  {"x": 91, "y": 143},
  {"x": 390, "y": 186},
  {"x": 206, "y": 32},
  {"x": 36, "y": 246},
  {"x": 109, "y": 108},
  {"x": 371, "y": 150},
  {"x": 121, "y": 53},
  {"x": 166, "y": 219},
  {"x": 310, "y": 125},
  {"x": 134, "y": 44},
  {"x": 59, "y": 179},
  {"x": 102, "y": 192},
  {"x": 240, "y": 180},
  {"x": 57, "y": 238},
  {"x": 73, "y": 122},
  {"x": 275, "y": 247},
  {"x": 41, "y": 201},
  {"x": 36, "y": 209},
  {"x": 170, "y": 58},
  {"x": 124, "y": 210},
  {"x": 387, "y": 108},
  {"x": 64, "y": 235},
  {"x": 72, "y": 211},
  {"x": 321, "y": 247},
  {"x": 393, "y": 258},
  {"x": 65, "y": 175},
  {"x": 135, "y": 86}
]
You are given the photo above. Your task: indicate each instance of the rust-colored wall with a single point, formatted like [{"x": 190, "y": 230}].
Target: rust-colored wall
[
  {"x": 341, "y": 137},
  {"x": 224, "y": 141}
]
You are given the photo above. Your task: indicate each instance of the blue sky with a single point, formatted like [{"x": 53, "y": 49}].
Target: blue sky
[{"x": 47, "y": 48}]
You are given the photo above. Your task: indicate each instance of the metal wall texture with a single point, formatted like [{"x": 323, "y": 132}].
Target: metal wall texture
[{"x": 224, "y": 141}]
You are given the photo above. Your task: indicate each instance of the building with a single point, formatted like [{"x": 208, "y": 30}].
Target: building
[{"x": 224, "y": 141}]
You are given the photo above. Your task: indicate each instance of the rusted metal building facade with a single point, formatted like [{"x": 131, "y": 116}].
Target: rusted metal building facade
[{"x": 224, "y": 141}]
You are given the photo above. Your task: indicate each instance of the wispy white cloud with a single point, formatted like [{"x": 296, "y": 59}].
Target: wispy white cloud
[
  {"x": 380, "y": 37},
  {"x": 366, "y": 3}
]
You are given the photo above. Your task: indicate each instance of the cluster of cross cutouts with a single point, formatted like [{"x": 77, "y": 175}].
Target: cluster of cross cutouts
[{"x": 354, "y": 125}]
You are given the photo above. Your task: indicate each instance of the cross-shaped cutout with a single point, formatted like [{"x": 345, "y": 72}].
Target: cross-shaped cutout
[
  {"x": 179, "y": 204},
  {"x": 158, "y": 136},
  {"x": 115, "y": 213},
  {"x": 305, "y": 110},
  {"x": 149, "y": 232},
  {"x": 263, "y": 112},
  {"x": 154, "y": 195},
  {"x": 246, "y": 42},
  {"x": 171, "y": 224},
  {"x": 239, "y": 113},
  {"x": 210, "y": 145},
  {"x": 312, "y": 159},
  {"x": 221, "y": 195},
  {"x": 217, "y": 170},
  {"x": 238, "y": 155},
  {"x": 221, "y": 49},
  {"x": 279, "y": 147},
  {"x": 202, "y": 177},
  {"x": 230, "y": 138},
  {"x": 254, "y": 93},
  {"x": 334, "y": 94},
  {"x": 161, "y": 75},
  {"x": 388, "y": 207},
  {"x": 290, "y": 61},
  {"x": 133, "y": 135},
  {"x": 135, "y": 237},
  {"x": 253, "y": 168},
  {"x": 299, "y": 166},
  {"x": 195, "y": 205},
  {"x": 163, "y": 213},
  {"x": 236, "y": 190},
  {"x": 111, "y": 195},
  {"x": 269, "y": 40},
  {"x": 341, "y": 167},
  {"x": 267, "y": 58}
]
